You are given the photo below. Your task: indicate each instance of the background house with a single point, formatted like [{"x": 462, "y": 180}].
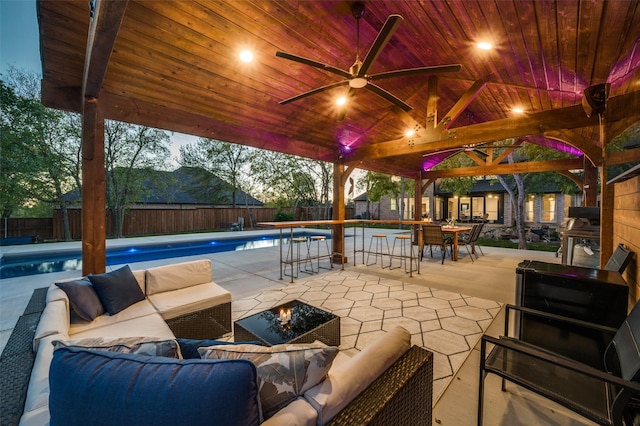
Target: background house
[{"x": 547, "y": 207}]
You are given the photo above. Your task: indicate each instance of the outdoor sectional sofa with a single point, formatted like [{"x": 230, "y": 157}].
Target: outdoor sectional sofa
[{"x": 389, "y": 382}]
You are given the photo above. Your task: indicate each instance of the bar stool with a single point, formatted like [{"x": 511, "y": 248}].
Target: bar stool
[
  {"x": 403, "y": 253},
  {"x": 318, "y": 238},
  {"x": 297, "y": 259},
  {"x": 378, "y": 238}
]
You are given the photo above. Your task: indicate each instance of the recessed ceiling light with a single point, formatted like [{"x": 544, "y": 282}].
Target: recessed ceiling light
[
  {"x": 246, "y": 56},
  {"x": 483, "y": 45},
  {"x": 518, "y": 110},
  {"x": 410, "y": 133}
]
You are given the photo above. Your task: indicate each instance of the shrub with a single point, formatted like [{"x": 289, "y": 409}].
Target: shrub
[{"x": 283, "y": 216}]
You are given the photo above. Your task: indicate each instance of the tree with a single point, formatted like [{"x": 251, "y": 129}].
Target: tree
[
  {"x": 288, "y": 180},
  {"x": 131, "y": 151},
  {"x": 227, "y": 161},
  {"x": 377, "y": 185},
  {"x": 40, "y": 146},
  {"x": 19, "y": 162}
]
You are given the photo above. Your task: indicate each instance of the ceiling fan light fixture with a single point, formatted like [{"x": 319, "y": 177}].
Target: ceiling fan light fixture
[
  {"x": 357, "y": 83},
  {"x": 246, "y": 56},
  {"x": 484, "y": 45},
  {"x": 341, "y": 100}
]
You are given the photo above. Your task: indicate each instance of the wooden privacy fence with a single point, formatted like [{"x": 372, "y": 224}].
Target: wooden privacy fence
[
  {"x": 140, "y": 222},
  {"x": 41, "y": 228}
]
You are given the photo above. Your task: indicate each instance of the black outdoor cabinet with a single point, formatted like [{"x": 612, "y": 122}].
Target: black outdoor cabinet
[{"x": 593, "y": 295}]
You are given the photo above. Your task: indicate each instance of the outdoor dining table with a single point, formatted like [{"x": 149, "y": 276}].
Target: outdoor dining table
[{"x": 455, "y": 232}]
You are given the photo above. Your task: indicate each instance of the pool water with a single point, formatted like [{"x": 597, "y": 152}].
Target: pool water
[{"x": 46, "y": 262}]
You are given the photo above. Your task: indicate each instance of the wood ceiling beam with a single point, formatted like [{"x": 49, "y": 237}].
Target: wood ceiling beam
[
  {"x": 461, "y": 105},
  {"x": 504, "y": 169},
  {"x": 126, "y": 109},
  {"x": 618, "y": 108},
  {"x": 432, "y": 103},
  {"x": 626, "y": 156},
  {"x": 103, "y": 31},
  {"x": 531, "y": 124}
]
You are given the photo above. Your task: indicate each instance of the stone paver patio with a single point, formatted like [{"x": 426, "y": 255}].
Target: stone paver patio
[{"x": 448, "y": 324}]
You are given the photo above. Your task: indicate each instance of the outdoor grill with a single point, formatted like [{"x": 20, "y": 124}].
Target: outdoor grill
[{"x": 581, "y": 237}]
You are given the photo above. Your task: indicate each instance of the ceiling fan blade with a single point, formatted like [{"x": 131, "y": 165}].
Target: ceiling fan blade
[
  {"x": 312, "y": 63},
  {"x": 416, "y": 71},
  {"x": 388, "y": 96},
  {"x": 380, "y": 42},
  {"x": 314, "y": 91}
]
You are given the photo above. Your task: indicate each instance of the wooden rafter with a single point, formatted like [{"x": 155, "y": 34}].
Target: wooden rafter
[
  {"x": 103, "y": 31},
  {"x": 506, "y": 152},
  {"x": 575, "y": 178},
  {"x": 462, "y": 104}
]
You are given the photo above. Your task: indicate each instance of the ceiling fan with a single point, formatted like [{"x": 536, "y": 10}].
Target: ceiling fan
[{"x": 357, "y": 77}]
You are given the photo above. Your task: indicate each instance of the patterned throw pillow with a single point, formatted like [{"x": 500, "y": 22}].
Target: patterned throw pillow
[
  {"x": 284, "y": 371},
  {"x": 150, "y": 346}
]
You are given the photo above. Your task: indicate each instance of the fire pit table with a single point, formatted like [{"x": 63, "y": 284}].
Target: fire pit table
[{"x": 291, "y": 322}]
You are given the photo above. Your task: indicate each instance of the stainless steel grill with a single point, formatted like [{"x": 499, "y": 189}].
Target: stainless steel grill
[{"x": 581, "y": 237}]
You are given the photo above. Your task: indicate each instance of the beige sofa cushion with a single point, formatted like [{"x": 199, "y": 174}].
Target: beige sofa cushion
[
  {"x": 140, "y": 309},
  {"x": 174, "y": 277},
  {"x": 54, "y": 320},
  {"x": 56, "y": 293},
  {"x": 346, "y": 380},
  {"x": 148, "y": 325},
  {"x": 38, "y": 392},
  {"x": 173, "y": 304}
]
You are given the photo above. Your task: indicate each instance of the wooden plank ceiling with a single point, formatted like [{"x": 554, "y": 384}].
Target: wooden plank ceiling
[{"x": 175, "y": 66}]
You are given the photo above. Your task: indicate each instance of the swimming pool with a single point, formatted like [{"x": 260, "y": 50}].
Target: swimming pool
[{"x": 22, "y": 264}]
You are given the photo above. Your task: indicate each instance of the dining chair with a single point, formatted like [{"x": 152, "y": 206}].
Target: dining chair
[
  {"x": 432, "y": 235},
  {"x": 467, "y": 240},
  {"x": 473, "y": 238}
]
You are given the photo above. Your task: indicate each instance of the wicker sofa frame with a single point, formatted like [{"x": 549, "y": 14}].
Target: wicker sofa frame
[
  {"x": 402, "y": 395},
  {"x": 204, "y": 324}
]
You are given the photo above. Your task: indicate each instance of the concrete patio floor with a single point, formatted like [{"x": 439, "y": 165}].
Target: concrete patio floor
[{"x": 246, "y": 273}]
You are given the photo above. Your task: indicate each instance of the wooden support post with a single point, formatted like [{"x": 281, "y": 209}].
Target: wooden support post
[
  {"x": 418, "y": 202},
  {"x": 590, "y": 184},
  {"x": 337, "y": 234},
  {"x": 94, "y": 257},
  {"x": 606, "y": 202}
]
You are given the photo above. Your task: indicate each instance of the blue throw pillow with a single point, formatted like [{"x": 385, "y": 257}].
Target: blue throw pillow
[
  {"x": 189, "y": 347},
  {"x": 107, "y": 388},
  {"x": 117, "y": 290},
  {"x": 83, "y": 298}
]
